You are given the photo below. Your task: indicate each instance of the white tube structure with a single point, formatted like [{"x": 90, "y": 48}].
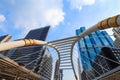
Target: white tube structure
[
  {"x": 107, "y": 23},
  {"x": 10, "y": 45}
]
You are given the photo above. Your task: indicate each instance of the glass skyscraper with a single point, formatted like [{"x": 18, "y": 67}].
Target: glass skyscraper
[
  {"x": 58, "y": 75},
  {"x": 90, "y": 45},
  {"x": 39, "y": 34},
  {"x": 44, "y": 66},
  {"x": 34, "y": 51},
  {"x": 32, "y": 57}
]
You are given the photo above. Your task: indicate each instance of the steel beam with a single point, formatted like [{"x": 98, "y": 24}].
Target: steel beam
[
  {"x": 65, "y": 65},
  {"x": 66, "y": 68},
  {"x": 64, "y": 49},
  {"x": 64, "y": 59},
  {"x": 65, "y": 39},
  {"x": 64, "y": 54},
  {"x": 64, "y": 62}
]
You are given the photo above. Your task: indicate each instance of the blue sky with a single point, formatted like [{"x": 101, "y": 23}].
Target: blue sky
[{"x": 17, "y": 17}]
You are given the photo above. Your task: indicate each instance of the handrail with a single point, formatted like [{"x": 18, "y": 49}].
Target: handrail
[
  {"x": 106, "y": 23},
  {"x": 27, "y": 42}
]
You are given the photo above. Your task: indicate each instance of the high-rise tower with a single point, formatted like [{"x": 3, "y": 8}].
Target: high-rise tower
[
  {"x": 90, "y": 46},
  {"x": 33, "y": 57},
  {"x": 35, "y": 52}
]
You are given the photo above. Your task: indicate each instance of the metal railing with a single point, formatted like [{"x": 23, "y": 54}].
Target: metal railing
[{"x": 107, "y": 23}]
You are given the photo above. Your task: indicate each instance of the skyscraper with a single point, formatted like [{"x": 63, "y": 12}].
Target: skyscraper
[
  {"x": 90, "y": 46},
  {"x": 107, "y": 58},
  {"x": 58, "y": 75},
  {"x": 44, "y": 66},
  {"x": 32, "y": 56},
  {"x": 34, "y": 51},
  {"x": 39, "y": 34},
  {"x": 117, "y": 37}
]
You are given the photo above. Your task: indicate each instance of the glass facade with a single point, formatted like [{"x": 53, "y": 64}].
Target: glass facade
[
  {"x": 58, "y": 75},
  {"x": 107, "y": 65},
  {"x": 61, "y": 74},
  {"x": 39, "y": 34},
  {"x": 44, "y": 68},
  {"x": 33, "y": 56},
  {"x": 90, "y": 45},
  {"x": 35, "y": 50},
  {"x": 117, "y": 37}
]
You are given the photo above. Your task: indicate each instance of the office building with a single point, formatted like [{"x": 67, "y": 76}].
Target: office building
[
  {"x": 32, "y": 57},
  {"x": 60, "y": 74},
  {"x": 107, "y": 59},
  {"x": 34, "y": 51},
  {"x": 90, "y": 45},
  {"x": 39, "y": 34},
  {"x": 116, "y": 33},
  {"x": 87, "y": 75},
  {"x": 84, "y": 75},
  {"x": 44, "y": 68}
]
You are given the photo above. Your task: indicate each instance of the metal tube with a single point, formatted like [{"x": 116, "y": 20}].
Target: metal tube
[
  {"x": 109, "y": 22},
  {"x": 10, "y": 45},
  {"x": 27, "y": 42}
]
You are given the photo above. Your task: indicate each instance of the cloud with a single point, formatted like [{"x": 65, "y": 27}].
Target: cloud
[
  {"x": 31, "y": 14},
  {"x": 54, "y": 16},
  {"x": 78, "y": 4},
  {"x": 2, "y": 18}
]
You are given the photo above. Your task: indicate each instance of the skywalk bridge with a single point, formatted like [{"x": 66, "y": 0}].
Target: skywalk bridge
[{"x": 63, "y": 47}]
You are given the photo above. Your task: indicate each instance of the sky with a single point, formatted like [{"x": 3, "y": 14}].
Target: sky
[{"x": 17, "y": 17}]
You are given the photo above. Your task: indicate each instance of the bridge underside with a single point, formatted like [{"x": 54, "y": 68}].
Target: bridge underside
[
  {"x": 111, "y": 75},
  {"x": 115, "y": 76},
  {"x": 10, "y": 70}
]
